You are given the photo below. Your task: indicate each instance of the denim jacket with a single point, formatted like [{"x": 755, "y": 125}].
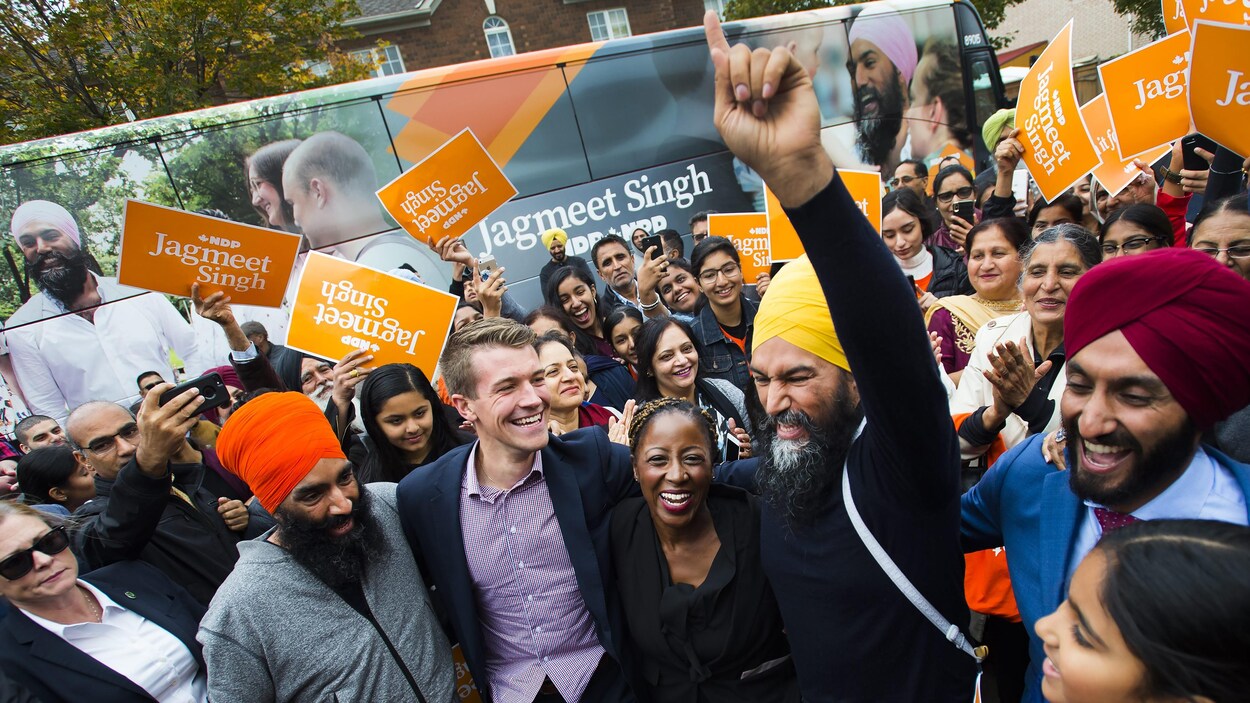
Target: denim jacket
[{"x": 719, "y": 357}]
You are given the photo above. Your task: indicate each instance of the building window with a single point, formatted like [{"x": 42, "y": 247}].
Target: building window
[
  {"x": 608, "y": 24},
  {"x": 385, "y": 61},
  {"x": 498, "y": 37},
  {"x": 717, "y": 5}
]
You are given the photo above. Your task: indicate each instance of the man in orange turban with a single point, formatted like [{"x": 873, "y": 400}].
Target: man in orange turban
[
  {"x": 335, "y": 575},
  {"x": 274, "y": 441}
]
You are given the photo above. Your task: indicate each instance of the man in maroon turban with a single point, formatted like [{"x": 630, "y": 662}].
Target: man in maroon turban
[{"x": 1158, "y": 351}]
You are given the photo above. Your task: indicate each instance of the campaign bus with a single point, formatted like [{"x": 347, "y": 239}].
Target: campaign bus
[{"x": 598, "y": 139}]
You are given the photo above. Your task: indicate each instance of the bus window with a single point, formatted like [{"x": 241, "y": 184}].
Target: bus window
[{"x": 984, "y": 95}]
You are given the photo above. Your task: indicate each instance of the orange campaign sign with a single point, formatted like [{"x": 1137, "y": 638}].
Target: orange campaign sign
[
  {"x": 1057, "y": 150},
  {"x": 167, "y": 250},
  {"x": 1115, "y": 172},
  {"x": 449, "y": 191},
  {"x": 1219, "y": 96},
  {"x": 784, "y": 244},
  {"x": 1146, "y": 94},
  {"x": 947, "y": 151},
  {"x": 749, "y": 233},
  {"x": 1229, "y": 11},
  {"x": 341, "y": 306},
  {"x": 1174, "y": 16}
]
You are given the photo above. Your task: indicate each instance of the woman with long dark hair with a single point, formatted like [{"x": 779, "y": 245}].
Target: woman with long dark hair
[
  {"x": 1159, "y": 611},
  {"x": 668, "y": 367},
  {"x": 573, "y": 291},
  {"x": 406, "y": 423}
]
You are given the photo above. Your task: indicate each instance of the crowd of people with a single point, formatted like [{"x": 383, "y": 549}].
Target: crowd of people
[{"x": 997, "y": 446}]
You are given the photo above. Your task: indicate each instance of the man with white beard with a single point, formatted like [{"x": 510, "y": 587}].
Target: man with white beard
[{"x": 854, "y": 411}]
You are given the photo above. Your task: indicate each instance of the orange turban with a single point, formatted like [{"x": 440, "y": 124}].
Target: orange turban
[{"x": 273, "y": 441}]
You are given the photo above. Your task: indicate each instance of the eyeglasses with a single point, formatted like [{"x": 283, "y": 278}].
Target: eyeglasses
[
  {"x": 1241, "y": 251},
  {"x": 730, "y": 271},
  {"x": 149, "y": 386},
  {"x": 1134, "y": 244},
  {"x": 698, "y": 237},
  {"x": 20, "y": 563},
  {"x": 962, "y": 193},
  {"x": 108, "y": 443},
  {"x": 905, "y": 180}
]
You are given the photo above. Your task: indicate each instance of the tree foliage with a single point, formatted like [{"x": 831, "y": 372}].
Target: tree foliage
[
  {"x": 1146, "y": 15},
  {"x": 71, "y": 65},
  {"x": 992, "y": 11}
]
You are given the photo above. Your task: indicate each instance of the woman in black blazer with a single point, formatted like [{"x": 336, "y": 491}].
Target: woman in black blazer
[
  {"x": 703, "y": 625},
  {"x": 56, "y": 618}
]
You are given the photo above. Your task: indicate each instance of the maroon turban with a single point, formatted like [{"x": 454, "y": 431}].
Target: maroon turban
[{"x": 1187, "y": 316}]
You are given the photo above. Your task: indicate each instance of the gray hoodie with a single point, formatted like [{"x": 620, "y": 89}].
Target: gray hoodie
[{"x": 274, "y": 632}]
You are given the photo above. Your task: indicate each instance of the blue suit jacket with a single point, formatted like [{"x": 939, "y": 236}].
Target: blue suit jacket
[
  {"x": 1025, "y": 505},
  {"x": 55, "y": 670},
  {"x": 586, "y": 475}
]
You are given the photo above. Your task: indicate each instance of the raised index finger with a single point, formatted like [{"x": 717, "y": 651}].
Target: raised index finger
[{"x": 714, "y": 32}]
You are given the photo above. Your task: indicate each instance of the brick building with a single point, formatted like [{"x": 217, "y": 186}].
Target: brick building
[{"x": 427, "y": 33}]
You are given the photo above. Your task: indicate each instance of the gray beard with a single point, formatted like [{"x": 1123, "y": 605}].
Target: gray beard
[{"x": 795, "y": 478}]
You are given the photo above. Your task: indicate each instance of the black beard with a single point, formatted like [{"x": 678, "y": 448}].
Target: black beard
[
  {"x": 795, "y": 479},
  {"x": 65, "y": 283},
  {"x": 876, "y": 135},
  {"x": 337, "y": 561},
  {"x": 1154, "y": 472}
]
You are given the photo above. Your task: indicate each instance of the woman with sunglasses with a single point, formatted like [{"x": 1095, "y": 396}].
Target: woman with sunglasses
[
  {"x": 953, "y": 184},
  {"x": 124, "y": 632}
]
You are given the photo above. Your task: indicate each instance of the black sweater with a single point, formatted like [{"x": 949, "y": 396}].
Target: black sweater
[{"x": 854, "y": 636}]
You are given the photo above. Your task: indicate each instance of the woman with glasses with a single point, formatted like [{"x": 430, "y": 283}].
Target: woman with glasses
[
  {"x": 951, "y": 185},
  {"x": 1134, "y": 230},
  {"x": 1222, "y": 231},
  {"x": 723, "y": 321},
  {"x": 122, "y": 633}
]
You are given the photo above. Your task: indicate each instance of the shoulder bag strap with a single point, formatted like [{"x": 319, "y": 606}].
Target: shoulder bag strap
[{"x": 948, "y": 630}]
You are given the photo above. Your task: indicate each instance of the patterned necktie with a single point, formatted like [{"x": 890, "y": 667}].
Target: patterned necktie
[{"x": 1110, "y": 520}]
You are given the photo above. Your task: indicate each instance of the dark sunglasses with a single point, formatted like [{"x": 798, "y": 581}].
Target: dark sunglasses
[{"x": 20, "y": 563}]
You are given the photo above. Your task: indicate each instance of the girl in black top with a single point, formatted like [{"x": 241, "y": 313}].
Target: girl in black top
[{"x": 407, "y": 425}]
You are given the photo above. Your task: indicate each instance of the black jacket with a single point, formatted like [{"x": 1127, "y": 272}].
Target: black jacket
[
  {"x": 138, "y": 517},
  {"x": 586, "y": 476},
  {"x": 950, "y": 275},
  {"x": 55, "y": 670},
  {"x": 718, "y": 356}
]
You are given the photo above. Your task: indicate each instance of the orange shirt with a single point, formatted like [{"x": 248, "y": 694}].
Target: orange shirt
[{"x": 922, "y": 284}]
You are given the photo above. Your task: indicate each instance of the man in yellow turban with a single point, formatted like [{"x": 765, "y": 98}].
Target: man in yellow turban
[
  {"x": 883, "y": 436},
  {"x": 555, "y": 240}
]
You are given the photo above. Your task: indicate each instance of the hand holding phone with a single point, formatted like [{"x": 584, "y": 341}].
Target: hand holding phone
[
  {"x": 486, "y": 266},
  {"x": 212, "y": 390},
  {"x": 1193, "y": 161},
  {"x": 653, "y": 241},
  {"x": 965, "y": 210}
]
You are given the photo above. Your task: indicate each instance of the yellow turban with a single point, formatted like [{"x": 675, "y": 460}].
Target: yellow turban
[
  {"x": 998, "y": 123},
  {"x": 553, "y": 234},
  {"x": 795, "y": 310}
]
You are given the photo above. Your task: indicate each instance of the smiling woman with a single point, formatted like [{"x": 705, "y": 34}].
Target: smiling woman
[
  {"x": 1158, "y": 611},
  {"x": 702, "y": 618},
  {"x": 566, "y": 387},
  {"x": 1015, "y": 375},
  {"x": 406, "y": 423},
  {"x": 668, "y": 367},
  {"x": 264, "y": 184}
]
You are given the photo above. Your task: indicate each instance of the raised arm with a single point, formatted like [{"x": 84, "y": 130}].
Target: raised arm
[{"x": 767, "y": 114}]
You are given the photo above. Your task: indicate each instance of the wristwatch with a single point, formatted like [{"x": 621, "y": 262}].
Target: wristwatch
[{"x": 1172, "y": 176}]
